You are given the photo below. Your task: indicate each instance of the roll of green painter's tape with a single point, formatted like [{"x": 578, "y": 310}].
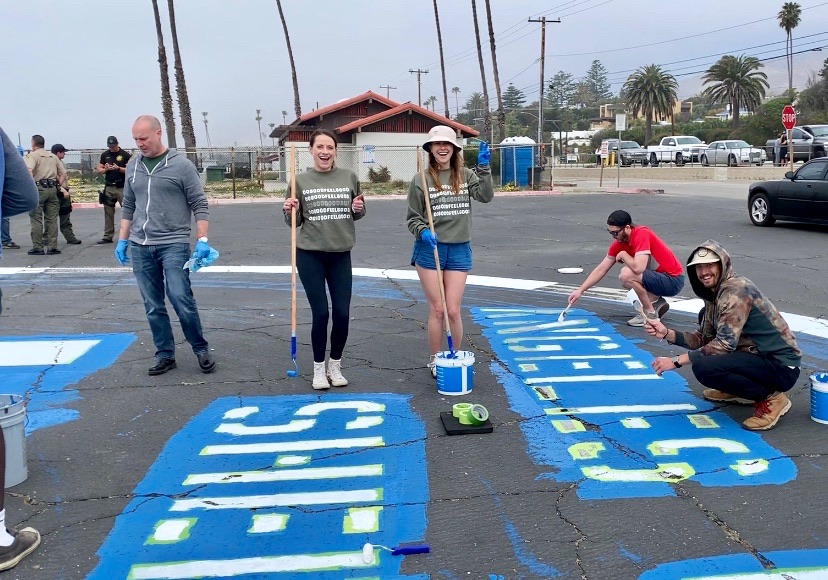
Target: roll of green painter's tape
[
  {"x": 478, "y": 414},
  {"x": 461, "y": 411}
]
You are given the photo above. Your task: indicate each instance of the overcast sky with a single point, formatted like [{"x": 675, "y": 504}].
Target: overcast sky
[{"x": 76, "y": 71}]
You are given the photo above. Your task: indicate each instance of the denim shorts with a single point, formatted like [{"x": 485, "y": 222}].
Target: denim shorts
[
  {"x": 662, "y": 284},
  {"x": 452, "y": 256}
]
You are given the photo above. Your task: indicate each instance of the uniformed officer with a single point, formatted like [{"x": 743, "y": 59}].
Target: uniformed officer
[
  {"x": 65, "y": 199},
  {"x": 113, "y": 163},
  {"x": 46, "y": 170}
]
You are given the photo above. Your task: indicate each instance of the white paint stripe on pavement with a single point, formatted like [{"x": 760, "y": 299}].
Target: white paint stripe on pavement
[
  {"x": 798, "y": 323},
  {"x": 42, "y": 352}
]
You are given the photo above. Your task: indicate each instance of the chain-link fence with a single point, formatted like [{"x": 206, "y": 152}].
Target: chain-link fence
[{"x": 389, "y": 168}]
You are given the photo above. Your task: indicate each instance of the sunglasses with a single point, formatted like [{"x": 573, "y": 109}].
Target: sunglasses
[{"x": 615, "y": 233}]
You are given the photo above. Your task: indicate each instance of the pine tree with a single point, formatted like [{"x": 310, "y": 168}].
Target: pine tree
[
  {"x": 513, "y": 98},
  {"x": 561, "y": 89},
  {"x": 596, "y": 80}
]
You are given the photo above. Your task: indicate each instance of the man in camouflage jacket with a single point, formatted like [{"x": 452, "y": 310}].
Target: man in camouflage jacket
[{"x": 743, "y": 352}]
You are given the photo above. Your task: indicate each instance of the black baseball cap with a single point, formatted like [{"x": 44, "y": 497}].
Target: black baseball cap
[
  {"x": 111, "y": 140},
  {"x": 57, "y": 148}
]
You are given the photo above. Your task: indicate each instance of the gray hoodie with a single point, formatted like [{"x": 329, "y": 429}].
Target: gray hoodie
[{"x": 161, "y": 204}]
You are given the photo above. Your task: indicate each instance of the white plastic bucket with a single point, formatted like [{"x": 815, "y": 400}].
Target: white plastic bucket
[
  {"x": 819, "y": 397},
  {"x": 12, "y": 421},
  {"x": 454, "y": 375}
]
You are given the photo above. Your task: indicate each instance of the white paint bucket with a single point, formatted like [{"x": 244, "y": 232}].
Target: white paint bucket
[
  {"x": 819, "y": 397},
  {"x": 12, "y": 421},
  {"x": 454, "y": 375}
]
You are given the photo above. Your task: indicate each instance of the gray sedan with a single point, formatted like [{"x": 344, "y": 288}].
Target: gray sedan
[{"x": 732, "y": 152}]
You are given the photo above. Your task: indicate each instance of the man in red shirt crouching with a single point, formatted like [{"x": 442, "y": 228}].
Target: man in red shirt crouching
[{"x": 649, "y": 267}]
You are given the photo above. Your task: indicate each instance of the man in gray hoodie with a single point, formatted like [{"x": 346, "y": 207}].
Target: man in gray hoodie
[{"x": 162, "y": 192}]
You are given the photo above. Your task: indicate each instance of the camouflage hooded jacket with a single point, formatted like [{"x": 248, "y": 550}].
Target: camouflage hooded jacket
[{"x": 738, "y": 317}]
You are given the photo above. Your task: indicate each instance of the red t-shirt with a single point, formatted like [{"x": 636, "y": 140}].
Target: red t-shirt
[{"x": 644, "y": 241}]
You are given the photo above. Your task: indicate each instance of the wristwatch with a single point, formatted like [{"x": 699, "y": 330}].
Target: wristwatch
[
  {"x": 202, "y": 239},
  {"x": 676, "y": 362}
]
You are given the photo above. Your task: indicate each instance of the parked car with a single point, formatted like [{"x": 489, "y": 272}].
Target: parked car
[
  {"x": 732, "y": 152},
  {"x": 631, "y": 152},
  {"x": 678, "y": 149},
  {"x": 809, "y": 142},
  {"x": 802, "y": 196}
]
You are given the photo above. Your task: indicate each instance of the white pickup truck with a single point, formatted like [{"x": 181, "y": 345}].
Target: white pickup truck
[{"x": 678, "y": 149}]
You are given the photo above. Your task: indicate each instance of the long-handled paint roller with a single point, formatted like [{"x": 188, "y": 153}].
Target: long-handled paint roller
[
  {"x": 294, "y": 372},
  {"x": 368, "y": 551},
  {"x": 421, "y": 170}
]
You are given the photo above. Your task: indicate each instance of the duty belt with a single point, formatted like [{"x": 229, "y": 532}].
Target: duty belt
[
  {"x": 119, "y": 185},
  {"x": 46, "y": 183}
]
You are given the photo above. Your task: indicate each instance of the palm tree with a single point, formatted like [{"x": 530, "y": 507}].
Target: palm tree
[
  {"x": 442, "y": 63},
  {"x": 487, "y": 118},
  {"x": 737, "y": 81},
  {"x": 296, "y": 106},
  {"x": 187, "y": 130},
  {"x": 789, "y": 19},
  {"x": 284, "y": 117},
  {"x": 166, "y": 96},
  {"x": 501, "y": 114},
  {"x": 456, "y": 90},
  {"x": 650, "y": 91},
  {"x": 432, "y": 100},
  {"x": 475, "y": 104}
]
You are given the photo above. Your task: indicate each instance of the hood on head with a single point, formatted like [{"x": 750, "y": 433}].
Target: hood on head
[{"x": 727, "y": 270}]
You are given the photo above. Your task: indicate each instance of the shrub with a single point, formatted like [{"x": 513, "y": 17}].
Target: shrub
[{"x": 383, "y": 175}]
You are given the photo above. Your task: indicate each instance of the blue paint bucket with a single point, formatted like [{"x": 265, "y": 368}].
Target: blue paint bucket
[
  {"x": 819, "y": 397},
  {"x": 12, "y": 421},
  {"x": 454, "y": 375}
]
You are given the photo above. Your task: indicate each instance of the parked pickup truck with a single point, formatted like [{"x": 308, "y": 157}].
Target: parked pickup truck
[
  {"x": 678, "y": 149},
  {"x": 809, "y": 141}
]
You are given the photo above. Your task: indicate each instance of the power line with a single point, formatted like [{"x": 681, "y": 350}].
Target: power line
[{"x": 387, "y": 90}]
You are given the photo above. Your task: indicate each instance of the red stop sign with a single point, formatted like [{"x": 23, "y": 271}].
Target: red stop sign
[{"x": 788, "y": 117}]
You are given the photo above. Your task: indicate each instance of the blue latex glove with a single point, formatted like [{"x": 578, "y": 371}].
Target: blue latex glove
[
  {"x": 428, "y": 237},
  {"x": 484, "y": 155},
  {"x": 201, "y": 251},
  {"x": 121, "y": 252}
]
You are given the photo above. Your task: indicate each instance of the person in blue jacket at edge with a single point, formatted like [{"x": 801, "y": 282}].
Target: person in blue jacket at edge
[{"x": 18, "y": 194}]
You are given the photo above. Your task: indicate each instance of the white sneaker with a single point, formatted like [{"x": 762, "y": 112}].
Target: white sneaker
[
  {"x": 335, "y": 373},
  {"x": 320, "y": 381},
  {"x": 432, "y": 366}
]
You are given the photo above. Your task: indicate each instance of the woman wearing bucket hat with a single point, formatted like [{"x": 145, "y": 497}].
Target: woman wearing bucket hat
[
  {"x": 743, "y": 352},
  {"x": 328, "y": 202},
  {"x": 451, "y": 187}
]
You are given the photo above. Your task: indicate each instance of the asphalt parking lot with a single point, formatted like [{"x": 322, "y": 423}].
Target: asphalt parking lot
[{"x": 189, "y": 475}]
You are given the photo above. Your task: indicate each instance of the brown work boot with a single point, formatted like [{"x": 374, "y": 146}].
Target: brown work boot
[
  {"x": 767, "y": 413},
  {"x": 721, "y": 397}
]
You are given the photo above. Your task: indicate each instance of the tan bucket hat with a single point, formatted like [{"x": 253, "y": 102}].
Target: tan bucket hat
[{"x": 441, "y": 133}]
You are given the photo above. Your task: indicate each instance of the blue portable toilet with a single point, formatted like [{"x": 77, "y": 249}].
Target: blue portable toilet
[{"x": 516, "y": 157}]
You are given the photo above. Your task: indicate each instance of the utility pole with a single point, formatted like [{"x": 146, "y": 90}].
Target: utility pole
[
  {"x": 387, "y": 90},
  {"x": 419, "y": 72},
  {"x": 542, "y": 22}
]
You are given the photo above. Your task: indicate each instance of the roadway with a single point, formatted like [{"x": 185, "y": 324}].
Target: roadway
[{"x": 192, "y": 475}]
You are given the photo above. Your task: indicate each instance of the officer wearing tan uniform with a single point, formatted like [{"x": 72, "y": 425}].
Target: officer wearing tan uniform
[
  {"x": 113, "y": 163},
  {"x": 46, "y": 170},
  {"x": 65, "y": 199}
]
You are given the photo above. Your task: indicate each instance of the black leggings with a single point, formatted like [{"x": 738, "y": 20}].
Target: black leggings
[{"x": 315, "y": 268}]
